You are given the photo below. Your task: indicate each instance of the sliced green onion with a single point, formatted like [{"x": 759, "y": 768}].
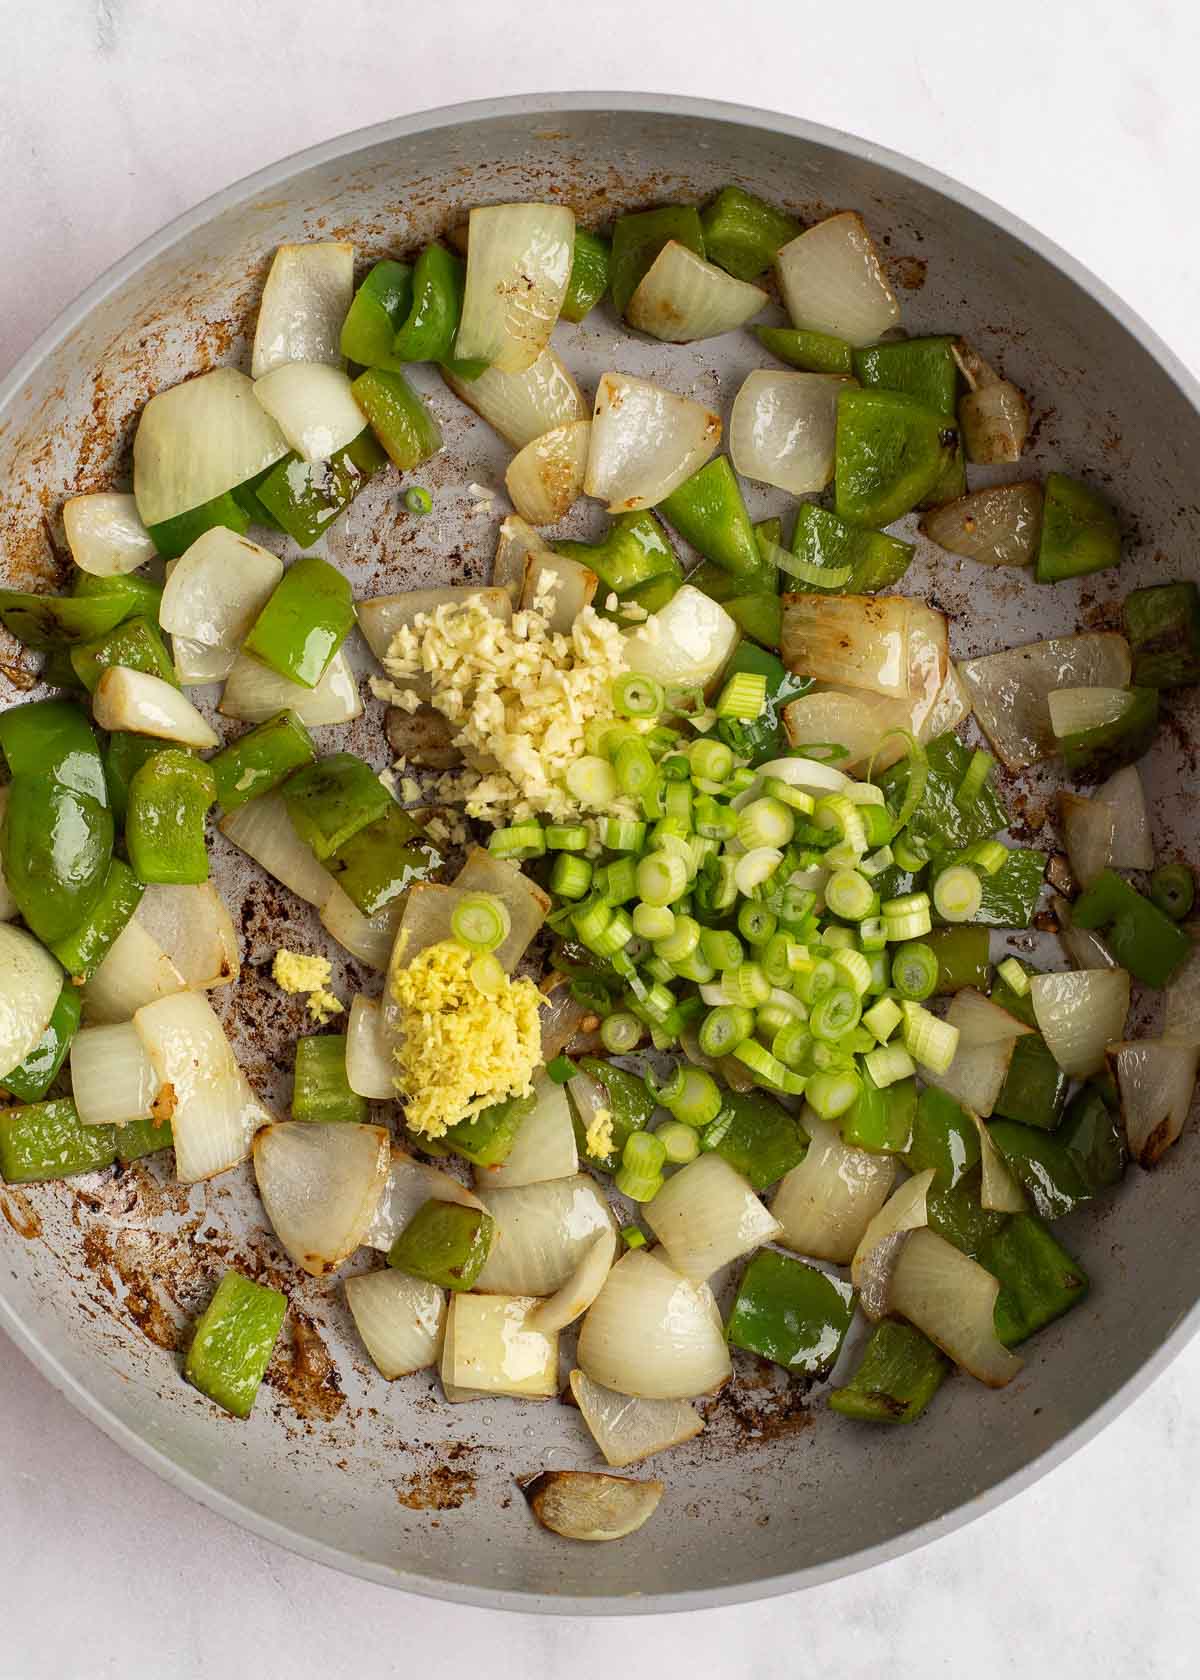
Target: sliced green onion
[
  {"x": 636, "y": 1187},
  {"x": 826, "y": 752},
  {"x": 872, "y": 935},
  {"x": 723, "y": 1028},
  {"x": 882, "y": 1018},
  {"x": 658, "y": 1002},
  {"x": 683, "y": 939},
  {"x": 796, "y": 905},
  {"x": 791, "y": 1042},
  {"x": 988, "y": 855},
  {"x": 767, "y": 1068},
  {"x": 659, "y": 969},
  {"x": 679, "y": 1141},
  {"x": 831, "y": 1094},
  {"x": 834, "y": 1014},
  {"x": 795, "y": 797},
  {"x": 810, "y": 572},
  {"x": 696, "y": 968},
  {"x": 617, "y": 933},
  {"x": 849, "y": 895},
  {"x": 957, "y": 893},
  {"x": 634, "y": 767},
  {"x": 918, "y": 772},
  {"x": 652, "y": 921},
  {"x": 677, "y": 798},
  {"x": 571, "y": 876},
  {"x": 839, "y": 938},
  {"x": 771, "y": 1018},
  {"x": 633, "y": 1236},
  {"x": 930, "y": 1042},
  {"x": 814, "y": 982},
  {"x": 889, "y": 1064},
  {"x": 881, "y": 971},
  {"x": 722, "y": 947},
  {"x": 877, "y": 821},
  {"x": 487, "y": 975},
  {"x": 854, "y": 969},
  {"x": 746, "y": 985},
  {"x": 620, "y": 1032},
  {"x": 1014, "y": 976},
  {"x": 975, "y": 779},
  {"x": 754, "y": 867},
  {"x": 617, "y": 881},
  {"x": 765, "y": 822},
  {"x": 835, "y": 813},
  {"x": 662, "y": 740},
  {"x": 744, "y": 696},
  {"x": 620, "y": 834},
  {"x": 676, "y": 767},
  {"x": 712, "y": 760},
  {"x": 592, "y": 781},
  {"x": 661, "y": 878},
  {"x": 756, "y": 923},
  {"x": 1173, "y": 890},
  {"x": 713, "y": 819},
  {"x": 909, "y": 856},
  {"x": 877, "y": 862},
  {"x": 915, "y": 971},
  {"x": 417, "y": 499},
  {"x": 521, "y": 841},
  {"x": 636, "y": 696},
  {"x": 561, "y": 1069},
  {"x": 915, "y": 924},
  {"x": 566, "y": 837},
  {"x": 652, "y": 802},
  {"x": 775, "y": 960},
  {"x": 695, "y": 1100},
  {"x": 591, "y": 919},
  {"x": 742, "y": 779},
  {"x": 480, "y": 922}
]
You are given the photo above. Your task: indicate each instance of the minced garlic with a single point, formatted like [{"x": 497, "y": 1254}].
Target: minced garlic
[{"x": 297, "y": 971}]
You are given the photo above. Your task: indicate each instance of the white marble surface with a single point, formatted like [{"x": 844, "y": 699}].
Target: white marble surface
[{"x": 116, "y": 115}]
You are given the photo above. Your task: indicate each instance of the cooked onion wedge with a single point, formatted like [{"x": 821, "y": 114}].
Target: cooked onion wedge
[
  {"x": 522, "y": 406},
  {"x": 645, "y": 441},
  {"x": 833, "y": 282},
  {"x": 1181, "y": 1013},
  {"x": 112, "y": 1077},
  {"x": 193, "y": 927},
  {"x": 628, "y": 1430},
  {"x": 313, "y": 406},
  {"x": 998, "y": 1189},
  {"x": 516, "y": 545},
  {"x": 586, "y": 1505},
  {"x": 142, "y": 704},
  {"x": 952, "y": 1300},
  {"x": 544, "y": 1147},
  {"x": 1000, "y": 525},
  {"x": 1080, "y": 1014},
  {"x": 369, "y": 938},
  {"x": 1010, "y": 690},
  {"x": 545, "y": 479},
  {"x": 1132, "y": 844},
  {"x": 216, "y": 590},
  {"x": 826, "y": 1203},
  {"x": 491, "y": 1348},
  {"x": 879, "y": 1248},
  {"x": 782, "y": 428},
  {"x": 263, "y": 828},
  {"x": 380, "y": 617},
  {"x": 561, "y": 588},
  {"x": 368, "y": 1054},
  {"x": 581, "y": 1288},
  {"x": 995, "y": 423},
  {"x": 518, "y": 264},
  {"x": 952, "y": 705},
  {"x": 32, "y": 982},
  {"x": 1156, "y": 1081},
  {"x": 982, "y": 1022},
  {"x": 1075, "y": 709},
  {"x": 104, "y": 533},
  {"x": 410, "y": 1184},
  {"x": 401, "y": 1319},
  {"x": 852, "y": 641},
  {"x": 254, "y": 693},
  {"x": 976, "y": 1076},
  {"x": 304, "y": 303},
  {"x": 542, "y": 1233},
  {"x": 682, "y": 297},
  {"x": 685, "y": 643},
  {"x": 198, "y": 440},
  {"x": 214, "y": 1114},
  {"x": 1087, "y": 831},
  {"x": 135, "y": 972},
  {"x": 652, "y": 1334},
  {"x": 320, "y": 1186},
  {"x": 1085, "y": 948},
  {"x": 706, "y": 1215}
]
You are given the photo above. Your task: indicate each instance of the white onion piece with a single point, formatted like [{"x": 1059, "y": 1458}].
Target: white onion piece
[
  {"x": 491, "y": 1348},
  {"x": 527, "y": 905},
  {"x": 652, "y": 1334},
  {"x": 854, "y": 641},
  {"x": 262, "y": 828},
  {"x": 1000, "y": 525},
  {"x": 544, "y": 1147},
  {"x": 517, "y": 544},
  {"x": 193, "y": 927},
  {"x": 563, "y": 1018},
  {"x": 1156, "y": 1081},
  {"x": 522, "y": 406},
  {"x": 807, "y": 774},
  {"x": 995, "y": 423},
  {"x": 104, "y": 533},
  {"x": 574, "y": 590},
  {"x": 781, "y": 429},
  {"x": 580, "y": 1290},
  {"x": 31, "y": 983},
  {"x": 832, "y": 281},
  {"x": 255, "y": 693},
  {"x": 1132, "y": 844},
  {"x": 368, "y": 1055},
  {"x": 198, "y": 440},
  {"x": 1009, "y": 690},
  {"x": 1080, "y": 1014},
  {"x": 212, "y": 1110},
  {"x": 313, "y": 406},
  {"x": 545, "y": 479},
  {"x": 706, "y": 1215},
  {"x": 975, "y": 1078},
  {"x": 982, "y": 1022},
  {"x": 879, "y": 1248},
  {"x": 381, "y": 617},
  {"x": 1085, "y": 948},
  {"x": 585, "y": 1505},
  {"x": 1087, "y": 830},
  {"x": 1073, "y": 709},
  {"x": 197, "y": 665},
  {"x": 136, "y": 971},
  {"x": 681, "y": 297},
  {"x": 952, "y": 1300},
  {"x": 645, "y": 441},
  {"x": 320, "y": 1186},
  {"x": 998, "y": 1189},
  {"x": 401, "y": 1319},
  {"x": 304, "y": 303},
  {"x": 685, "y": 642},
  {"x": 951, "y": 706},
  {"x": 217, "y": 588},
  {"x": 410, "y": 1184},
  {"x": 1181, "y": 1001},
  {"x": 826, "y": 1203},
  {"x": 628, "y": 1430},
  {"x": 542, "y": 1233},
  {"x": 146, "y": 705},
  {"x": 369, "y": 938},
  {"x": 519, "y": 260},
  {"x": 112, "y": 1078},
  {"x": 8, "y": 904},
  {"x": 854, "y": 719}
]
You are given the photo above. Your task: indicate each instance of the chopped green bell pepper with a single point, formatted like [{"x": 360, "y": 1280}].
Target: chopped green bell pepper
[
  {"x": 445, "y": 1244},
  {"x": 330, "y": 800},
  {"x": 257, "y": 762},
  {"x": 634, "y": 550},
  {"x": 307, "y": 617},
  {"x": 403, "y": 426},
  {"x": 811, "y": 352},
  {"x": 788, "y": 1311},
  {"x": 1039, "y": 1281},
  {"x": 1093, "y": 1134},
  {"x": 137, "y": 1138},
  {"x": 320, "y": 1089},
  {"x": 589, "y": 275},
  {"x": 304, "y": 498},
  {"x": 944, "y": 1138},
  {"x": 58, "y": 671},
  {"x": 139, "y": 596},
  {"x": 756, "y": 1135},
  {"x": 169, "y": 798},
  {"x": 48, "y": 1140},
  {"x": 1009, "y": 897},
  {"x": 890, "y": 452},
  {"x": 1035, "y": 1087},
  {"x": 173, "y": 537},
  {"x": 1079, "y": 531},
  {"x": 234, "y": 1338},
  {"x": 381, "y": 861},
  {"x": 85, "y": 946},
  {"x": 822, "y": 539},
  {"x": 1042, "y": 1164},
  {"x": 743, "y": 234},
  {"x": 136, "y": 644},
  {"x": 882, "y": 1121},
  {"x": 124, "y": 755},
  {"x": 762, "y": 738},
  {"x": 55, "y": 621},
  {"x": 709, "y": 512},
  {"x": 1162, "y": 624},
  {"x": 923, "y": 367},
  {"x": 251, "y": 503},
  {"x": 487, "y": 1138},
  {"x": 1092, "y": 755},
  {"x": 637, "y": 240},
  {"x": 1141, "y": 938},
  {"x": 758, "y": 616},
  {"x": 427, "y": 334},
  {"x": 711, "y": 580},
  {"x": 939, "y": 823},
  {"x": 378, "y": 310},
  {"x": 898, "y": 1375},
  {"x": 958, "y": 1214},
  {"x": 32, "y": 1078},
  {"x": 627, "y": 1100},
  {"x": 962, "y": 954}
]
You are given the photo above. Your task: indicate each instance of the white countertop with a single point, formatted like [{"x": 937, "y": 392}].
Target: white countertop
[{"x": 118, "y": 114}]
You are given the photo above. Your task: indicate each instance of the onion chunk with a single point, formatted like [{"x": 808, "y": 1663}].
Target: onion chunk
[
  {"x": 628, "y": 1430},
  {"x": 782, "y": 429},
  {"x": 833, "y": 282},
  {"x": 585, "y": 1505},
  {"x": 645, "y": 441},
  {"x": 826, "y": 1203},
  {"x": 518, "y": 265},
  {"x": 652, "y": 1334},
  {"x": 681, "y": 298},
  {"x": 707, "y": 1215},
  {"x": 320, "y": 1186},
  {"x": 1010, "y": 690},
  {"x": 1080, "y": 1015},
  {"x": 952, "y": 1300}
]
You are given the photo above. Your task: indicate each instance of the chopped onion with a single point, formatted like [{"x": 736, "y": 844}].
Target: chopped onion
[
  {"x": 104, "y": 533},
  {"x": 628, "y": 1430},
  {"x": 136, "y": 971},
  {"x": 212, "y": 1110},
  {"x": 1010, "y": 690},
  {"x": 976, "y": 1076},
  {"x": 982, "y": 1022},
  {"x": 28, "y": 994},
  {"x": 112, "y": 1077},
  {"x": 216, "y": 590},
  {"x": 952, "y": 1300},
  {"x": 575, "y": 589},
  {"x": 832, "y": 281},
  {"x": 645, "y": 441},
  {"x": 581, "y": 1288},
  {"x": 706, "y": 1215},
  {"x": 255, "y": 693},
  {"x": 1085, "y": 948},
  {"x": 410, "y": 1184},
  {"x": 652, "y": 1334},
  {"x": 854, "y": 641},
  {"x": 198, "y": 440},
  {"x": 1132, "y": 845},
  {"x": 999, "y": 1191},
  {"x": 1156, "y": 1081},
  {"x": 382, "y": 617},
  {"x": 369, "y": 938},
  {"x": 313, "y": 406},
  {"x": 197, "y": 665},
  {"x": 684, "y": 643},
  {"x": 519, "y": 260},
  {"x": 544, "y": 1147},
  {"x": 807, "y": 774},
  {"x": 1080, "y": 1014},
  {"x": 781, "y": 430},
  {"x": 491, "y": 1348},
  {"x": 8, "y": 904},
  {"x": 320, "y": 1186},
  {"x": 526, "y": 903},
  {"x": 851, "y": 718},
  {"x": 562, "y": 1020},
  {"x": 304, "y": 303},
  {"x": 193, "y": 927},
  {"x": 368, "y": 1054},
  {"x": 1181, "y": 1002},
  {"x": 1087, "y": 830},
  {"x": 143, "y": 704},
  {"x": 1074, "y": 709},
  {"x": 681, "y": 297},
  {"x": 522, "y": 406},
  {"x": 263, "y": 828},
  {"x": 1000, "y": 525},
  {"x": 826, "y": 1203},
  {"x": 995, "y": 423},
  {"x": 401, "y": 1319},
  {"x": 879, "y": 1248},
  {"x": 584, "y": 1505},
  {"x": 542, "y": 1233},
  {"x": 545, "y": 479},
  {"x": 516, "y": 546},
  {"x": 952, "y": 705}
]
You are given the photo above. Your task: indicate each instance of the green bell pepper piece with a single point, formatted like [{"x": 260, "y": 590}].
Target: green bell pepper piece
[
  {"x": 878, "y": 561},
  {"x": 428, "y": 331},
  {"x": 384, "y": 859},
  {"x": 137, "y": 1138},
  {"x": 124, "y": 754},
  {"x": 957, "y": 1213},
  {"x": 1079, "y": 531},
  {"x": 487, "y": 1138},
  {"x": 1141, "y": 938},
  {"x": 637, "y": 240},
  {"x": 1010, "y": 896},
  {"x": 169, "y": 798},
  {"x": 137, "y": 644},
  {"x": 756, "y": 1135},
  {"x": 944, "y": 1138},
  {"x": 963, "y": 960},
  {"x": 257, "y": 762},
  {"x": 1095, "y": 1138},
  {"x": 788, "y": 1311},
  {"x": 898, "y": 1375},
  {"x": 55, "y": 621},
  {"x": 403, "y": 426},
  {"x": 889, "y": 453},
  {"x": 32, "y": 1078},
  {"x": 652, "y": 594},
  {"x": 743, "y": 234},
  {"x": 304, "y": 498},
  {"x": 634, "y": 550},
  {"x": 330, "y": 800},
  {"x": 251, "y": 503},
  {"x": 709, "y": 512},
  {"x": 1042, "y": 1164},
  {"x": 307, "y": 617},
  {"x": 445, "y": 1244},
  {"x": 882, "y": 1121},
  {"x": 58, "y": 672},
  {"x": 233, "y": 1342},
  {"x": 924, "y": 368},
  {"x": 1162, "y": 624},
  {"x": 173, "y": 537},
  {"x": 139, "y": 597},
  {"x": 760, "y": 739},
  {"x": 939, "y": 823},
  {"x": 712, "y": 580},
  {"x": 379, "y": 308},
  {"x": 811, "y": 352},
  {"x": 627, "y": 1100},
  {"x": 1035, "y": 1088},
  {"x": 1039, "y": 1281},
  {"x": 759, "y": 616},
  {"x": 589, "y": 275},
  {"x": 768, "y": 534},
  {"x": 48, "y": 1140},
  {"x": 1092, "y": 755},
  {"x": 320, "y": 1089},
  {"x": 84, "y": 948}
]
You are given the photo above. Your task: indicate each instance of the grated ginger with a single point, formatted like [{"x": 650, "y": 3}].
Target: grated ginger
[
  {"x": 598, "y": 1140},
  {"x": 297, "y": 971}
]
